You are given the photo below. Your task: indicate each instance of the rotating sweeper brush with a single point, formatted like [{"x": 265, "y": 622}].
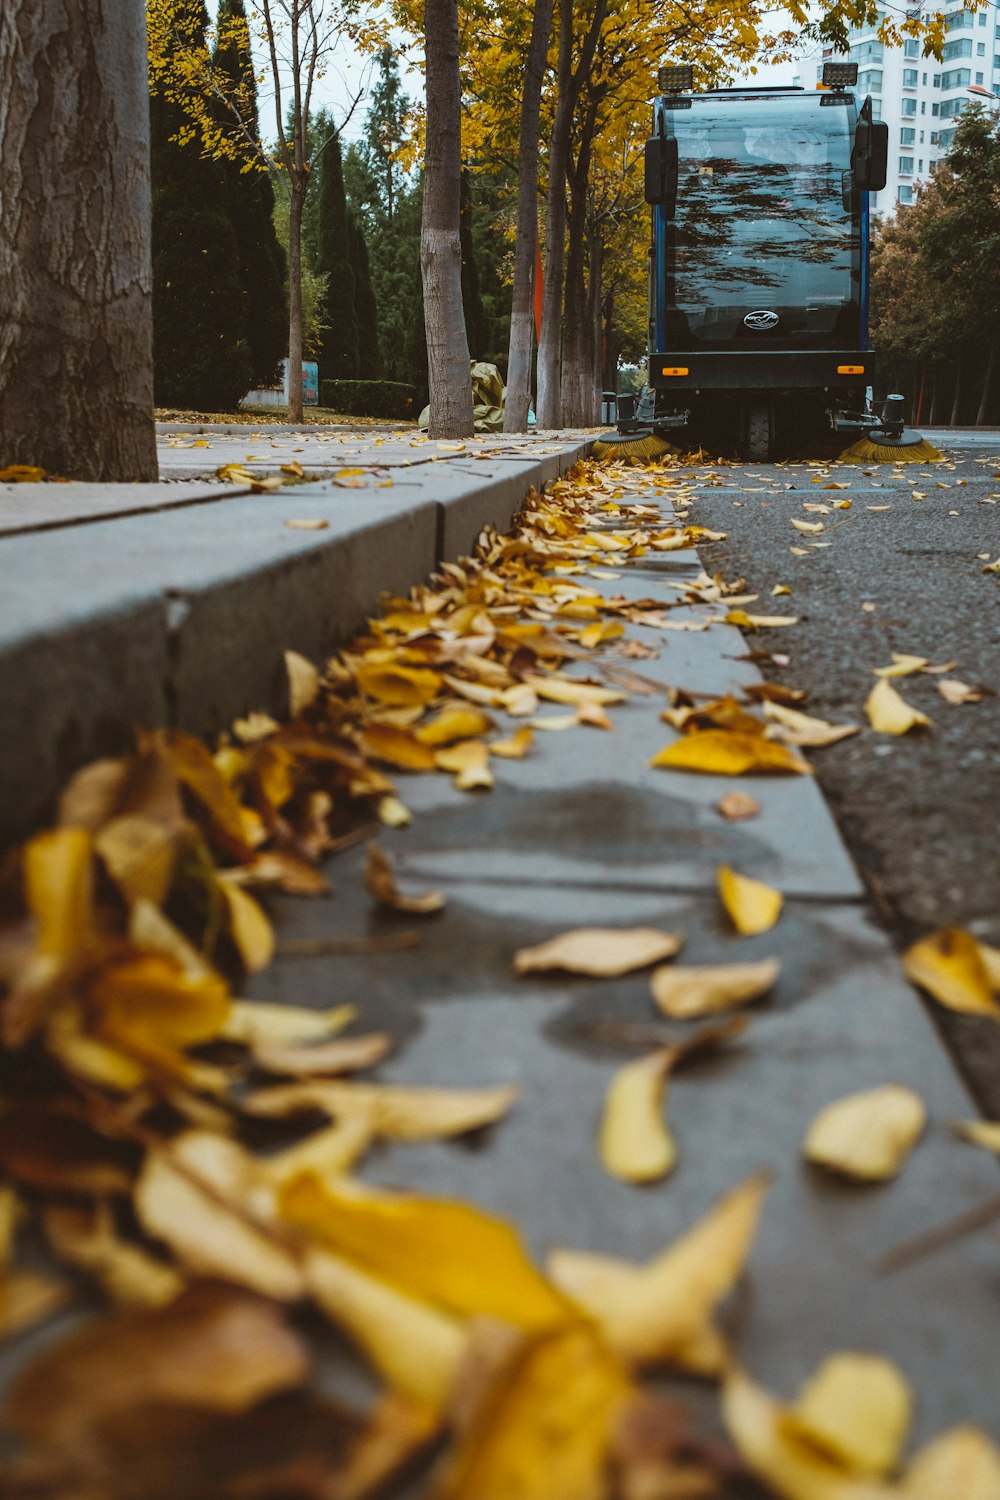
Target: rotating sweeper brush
[
  {"x": 890, "y": 442},
  {"x": 634, "y": 438}
]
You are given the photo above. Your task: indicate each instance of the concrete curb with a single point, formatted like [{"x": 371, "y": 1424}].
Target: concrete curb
[{"x": 180, "y": 616}]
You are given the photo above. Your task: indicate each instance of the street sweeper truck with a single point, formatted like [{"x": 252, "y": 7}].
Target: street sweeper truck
[{"x": 759, "y": 271}]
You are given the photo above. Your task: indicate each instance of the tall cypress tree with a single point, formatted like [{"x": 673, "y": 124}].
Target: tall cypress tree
[
  {"x": 338, "y": 357},
  {"x": 201, "y": 356},
  {"x": 365, "y": 310},
  {"x": 249, "y": 200}
]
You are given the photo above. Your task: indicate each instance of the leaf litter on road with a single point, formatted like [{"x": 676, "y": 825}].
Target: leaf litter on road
[{"x": 149, "y": 1114}]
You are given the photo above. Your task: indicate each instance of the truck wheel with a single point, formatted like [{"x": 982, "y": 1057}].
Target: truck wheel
[{"x": 759, "y": 430}]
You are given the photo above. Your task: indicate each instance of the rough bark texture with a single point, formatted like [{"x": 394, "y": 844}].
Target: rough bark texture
[
  {"x": 76, "y": 365},
  {"x": 440, "y": 243},
  {"x": 521, "y": 319},
  {"x": 984, "y": 399},
  {"x": 296, "y": 203}
]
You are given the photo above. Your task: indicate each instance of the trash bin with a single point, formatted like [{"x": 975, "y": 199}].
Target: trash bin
[{"x": 609, "y": 407}]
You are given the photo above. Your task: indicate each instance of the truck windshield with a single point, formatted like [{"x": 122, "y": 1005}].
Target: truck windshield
[{"x": 763, "y": 223}]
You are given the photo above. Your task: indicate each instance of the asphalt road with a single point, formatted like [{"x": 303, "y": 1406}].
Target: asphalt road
[{"x": 921, "y": 812}]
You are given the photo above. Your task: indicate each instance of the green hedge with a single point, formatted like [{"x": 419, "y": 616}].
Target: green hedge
[{"x": 369, "y": 398}]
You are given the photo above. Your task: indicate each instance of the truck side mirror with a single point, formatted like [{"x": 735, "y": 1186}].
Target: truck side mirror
[
  {"x": 660, "y": 164},
  {"x": 870, "y": 159}
]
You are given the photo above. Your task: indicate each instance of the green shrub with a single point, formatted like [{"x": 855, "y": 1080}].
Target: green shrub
[{"x": 369, "y": 398}]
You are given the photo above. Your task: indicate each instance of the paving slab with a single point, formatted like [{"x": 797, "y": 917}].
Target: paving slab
[
  {"x": 179, "y": 613},
  {"x": 840, "y": 1019},
  {"x": 40, "y": 507}
]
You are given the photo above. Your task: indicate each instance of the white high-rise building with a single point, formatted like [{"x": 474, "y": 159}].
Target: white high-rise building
[{"x": 918, "y": 97}]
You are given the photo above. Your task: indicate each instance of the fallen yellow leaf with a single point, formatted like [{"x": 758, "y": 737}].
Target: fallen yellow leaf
[
  {"x": 393, "y": 1111},
  {"x": 902, "y": 665},
  {"x": 635, "y": 1143},
  {"x": 568, "y": 690},
  {"x": 955, "y": 692},
  {"x": 303, "y": 683},
  {"x": 396, "y": 747},
  {"x": 721, "y": 752},
  {"x": 261, "y": 1022},
  {"x": 515, "y": 747},
  {"x": 803, "y": 729},
  {"x": 960, "y": 1462},
  {"x": 888, "y": 713},
  {"x": 737, "y": 806},
  {"x": 660, "y": 1311},
  {"x": 454, "y": 722},
  {"x": 602, "y": 952},
  {"x": 985, "y": 1133},
  {"x": 416, "y": 1347},
  {"x": 956, "y": 970},
  {"x": 813, "y": 527},
  {"x": 857, "y": 1408},
  {"x": 792, "y": 1466},
  {"x": 388, "y": 682},
  {"x": 469, "y": 761},
  {"x": 753, "y": 906},
  {"x": 684, "y": 993},
  {"x": 869, "y": 1135},
  {"x": 445, "y": 1253}
]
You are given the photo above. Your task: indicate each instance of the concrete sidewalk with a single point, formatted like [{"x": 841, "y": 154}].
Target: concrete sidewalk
[
  {"x": 583, "y": 832},
  {"x": 172, "y": 604}
]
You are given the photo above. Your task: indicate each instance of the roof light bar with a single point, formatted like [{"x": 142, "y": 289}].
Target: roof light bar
[
  {"x": 840, "y": 75},
  {"x": 675, "y": 78}
]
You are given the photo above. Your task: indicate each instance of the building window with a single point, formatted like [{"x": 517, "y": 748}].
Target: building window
[
  {"x": 819, "y": 73},
  {"x": 923, "y": 106},
  {"x": 980, "y": 49},
  {"x": 956, "y": 78},
  {"x": 870, "y": 80},
  {"x": 936, "y": 109},
  {"x": 904, "y": 193},
  {"x": 866, "y": 52},
  {"x": 982, "y": 18},
  {"x": 906, "y": 166},
  {"x": 906, "y": 135},
  {"x": 911, "y": 49},
  {"x": 961, "y": 48},
  {"x": 996, "y": 62},
  {"x": 979, "y": 78},
  {"x": 958, "y": 20},
  {"x": 951, "y": 108},
  {"x": 908, "y": 107},
  {"x": 909, "y": 78},
  {"x": 935, "y": 138},
  {"x": 876, "y": 109},
  {"x": 945, "y": 139},
  {"x": 920, "y": 165},
  {"x": 921, "y": 138}
]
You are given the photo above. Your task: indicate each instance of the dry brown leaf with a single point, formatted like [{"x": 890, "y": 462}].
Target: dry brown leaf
[
  {"x": 140, "y": 855},
  {"x": 869, "y": 1135},
  {"x": 86, "y": 1238},
  {"x": 684, "y": 992},
  {"x": 593, "y": 715},
  {"x": 328, "y": 1153},
  {"x": 735, "y": 807},
  {"x": 601, "y": 952},
  {"x": 445, "y": 1253},
  {"x": 889, "y": 713},
  {"x": 213, "y": 1347},
  {"x": 249, "y": 926},
  {"x": 380, "y": 882},
  {"x": 753, "y": 906},
  {"x": 394, "y": 1111},
  {"x": 955, "y": 969},
  {"x": 720, "y": 752},
  {"x": 28, "y": 1298}
]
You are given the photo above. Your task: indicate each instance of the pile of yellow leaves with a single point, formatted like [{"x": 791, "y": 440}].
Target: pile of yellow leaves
[{"x": 158, "y": 1135}]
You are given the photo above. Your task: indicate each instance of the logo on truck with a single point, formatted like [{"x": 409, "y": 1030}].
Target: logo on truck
[{"x": 761, "y": 321}]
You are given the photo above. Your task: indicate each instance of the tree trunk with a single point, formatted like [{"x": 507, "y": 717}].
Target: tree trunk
[
  {"x": 550, "y": 342},
  {"x": 595, "y": 276},
  {"x": 296, "y": 203},
  {"x": 577, "y": 343},
  {"x": 76, "y": 360},
  {"x": 440, "y": 244},
  {"x": 935, "y": 412},
  {"x": 984, "y": 399},
  {"x": 957, "y": 399},
  {"x": 521, "y": 316}
]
